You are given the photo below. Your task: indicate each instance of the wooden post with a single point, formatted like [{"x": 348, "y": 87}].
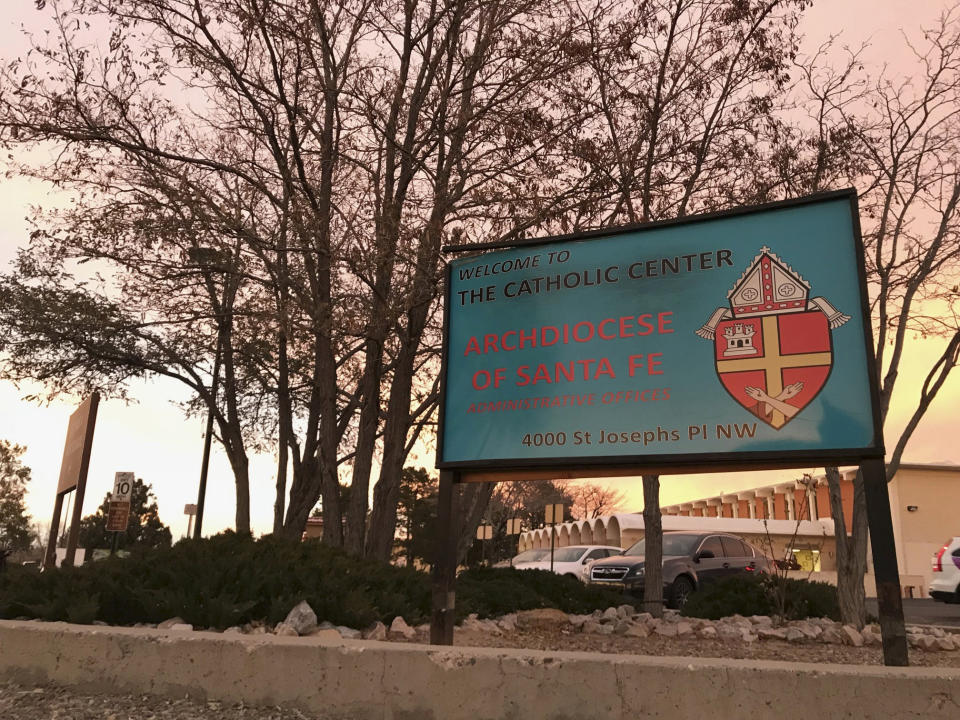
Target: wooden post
[
  {"x": 445, "y": 561},
  {"x": 886, "y": 572},
  {"x": 50, "y": 557}
]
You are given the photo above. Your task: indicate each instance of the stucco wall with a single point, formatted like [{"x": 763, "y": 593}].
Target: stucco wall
[{"x": 365, "y": 680}]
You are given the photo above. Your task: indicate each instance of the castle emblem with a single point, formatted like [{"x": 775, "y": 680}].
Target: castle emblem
[{"x": 773, "y": 347}]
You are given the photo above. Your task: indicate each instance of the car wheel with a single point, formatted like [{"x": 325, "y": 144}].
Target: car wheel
[{"x": 680, "y": 592}]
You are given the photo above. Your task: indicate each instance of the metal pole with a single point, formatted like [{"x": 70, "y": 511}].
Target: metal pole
[
  {"x": 445, "y": 562},
  {"x": 553, "y": 524},
  {"x": 885, "y": 570},
  {"x": 116, "y": 540},
  {"x": 208, "y": 436}
]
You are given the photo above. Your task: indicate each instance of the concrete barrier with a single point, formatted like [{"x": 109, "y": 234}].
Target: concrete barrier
[{"x": 364, "y": 680}]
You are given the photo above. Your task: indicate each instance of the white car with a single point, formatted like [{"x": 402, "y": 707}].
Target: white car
[
  {"x": 945, "y": 586},
  {"x": 572, "y": 560}
]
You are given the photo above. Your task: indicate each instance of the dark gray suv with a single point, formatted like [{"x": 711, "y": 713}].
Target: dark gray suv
[{"x": 690, "y": 560}]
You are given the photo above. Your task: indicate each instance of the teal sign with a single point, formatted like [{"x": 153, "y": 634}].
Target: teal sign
[{"x": 704, "y": 340}]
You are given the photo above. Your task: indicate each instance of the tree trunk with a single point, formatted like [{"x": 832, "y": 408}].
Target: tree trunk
[
  {"x": 474, "y": 498},
  {"x": 851, "y": 549},
  {"x": 653, "y": 553}
]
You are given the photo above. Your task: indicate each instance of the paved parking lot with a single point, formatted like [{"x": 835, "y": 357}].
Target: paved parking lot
[{"x": 924, "y": 611}]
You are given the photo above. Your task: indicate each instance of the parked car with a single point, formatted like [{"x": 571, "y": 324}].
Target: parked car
[
  {"x": 572, "y": 560},
  {"x": 945, "y": 585},
  {"x": 527, "y": 556},
  {"x": 690, "y": 560}
]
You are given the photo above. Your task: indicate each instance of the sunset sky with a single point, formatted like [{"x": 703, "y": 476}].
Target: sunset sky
[{"x": 152, "y": 438}]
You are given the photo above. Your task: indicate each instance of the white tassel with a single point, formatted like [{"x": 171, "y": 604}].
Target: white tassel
[
  {"x": 708, "y": 330},
  {"x": 834, "y": 316}
]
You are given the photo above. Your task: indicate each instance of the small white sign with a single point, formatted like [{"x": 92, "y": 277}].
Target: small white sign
[
  {"x": 122, "y": 487},
  {"x": 554, "y": 513},
  {"x": 514, "y": 526},
  {"x": 485, "y": 532}
]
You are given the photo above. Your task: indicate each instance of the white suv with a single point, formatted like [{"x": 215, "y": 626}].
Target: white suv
[{"x": 945, "y": 586}]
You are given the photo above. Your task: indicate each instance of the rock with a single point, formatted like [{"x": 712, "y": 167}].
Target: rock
[
  {"x": 327, "y": 635},
  {"x": 606, "y": 629},
  {"x": 471, "y": 623},
  {"x": 626, "y": 611},
  {"x": 349, "y": 633},
  {"x": 707, "y": 632},
  {"x": 181, "y": 627},
  {"x": 326, "y": 625},
  {"x": 928, "y": 643},
  {"x": 937, "y": 632},
  {"x": 811, "y": 631},
  {"x": 541, "y": 618},
  {"x": 946, "y": 643},
  {"x": 508, "y": 623},
  {"x": 100, "y": 623},
  {"x": 302, "y": 618},
  {"x": 399, "y": 628},
  {"x": 748, "y": 637},
  {"x": 761, "y": 620},
  {"x": 684, "y": 628},
  {"x": 832, "y": 636},
  {"x": 666, "y": 630},
  {"x": 794, "y": 635},
  {"x": 377, "y": 631},
  {"x": 578, "y": 620},
  {"x": 610, "y": 613},
  {"x": 643, "y": 617},
  {"x": 167, "y": 624},
  {"x": 285, "y": 630},
  {"x": 729, "y": 632},
  {"x": 870, "y": 637},
  {"x": 256, "y": 630},
  {"x": 490, "y": 627},
  {"x": 591, "y": 627},
  {"x": 851, "y": 636},
  {"x": 771, "y": 633},
  {"x": 671, "y": 616},
  {"x": 638, "y": 630},
  {"x": 622, "y": 626},
  {"x": 233, "y": 630}
]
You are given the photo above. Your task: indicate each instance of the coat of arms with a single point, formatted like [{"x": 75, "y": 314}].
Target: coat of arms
[{"x": 772, "y": 346}]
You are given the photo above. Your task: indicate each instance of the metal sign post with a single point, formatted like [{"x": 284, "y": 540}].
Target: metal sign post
[
  {"x": 73, "y": 476},
  {"x": 190, "y": 509},
  {"x": 732, "y": 341},
  {"x": 118, "y": 516},
  {"x": 484, "y": 533},
  {"x": 553, "y": 514}
]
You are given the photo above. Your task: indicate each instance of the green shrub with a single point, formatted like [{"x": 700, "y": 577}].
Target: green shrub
[
  {"x": 492, "y": 592},
  {"x": 757, "y": 595},
  {"x": 231, "y": 579}
]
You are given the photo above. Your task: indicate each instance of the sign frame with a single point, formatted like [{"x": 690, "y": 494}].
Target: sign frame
[
  {"x": 869, "y": 457},
  {"x": 672, "y": 463}
]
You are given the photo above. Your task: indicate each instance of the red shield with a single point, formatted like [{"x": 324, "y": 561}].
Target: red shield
[{"x": 774, "y": 365}]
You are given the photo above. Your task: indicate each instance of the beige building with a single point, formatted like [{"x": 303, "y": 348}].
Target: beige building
[{"x": 793, "y": 519}]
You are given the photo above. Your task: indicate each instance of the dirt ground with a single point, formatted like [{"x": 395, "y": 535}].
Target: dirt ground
[{"x": 566, "y": 639}]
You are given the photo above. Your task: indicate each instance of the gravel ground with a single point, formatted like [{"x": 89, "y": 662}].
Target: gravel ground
[
  {"x": 49, "y": 703},
  {"x": 561, "y": 639}
]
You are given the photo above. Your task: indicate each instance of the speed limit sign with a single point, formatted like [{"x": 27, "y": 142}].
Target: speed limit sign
[{"x": 122, "y": 487}]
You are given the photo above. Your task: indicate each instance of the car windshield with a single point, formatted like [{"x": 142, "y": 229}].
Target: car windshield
[
  {"x": 568, "y": 554},
  {"x": 530, "y": 556},
  {"x": 672, "y": 545}
]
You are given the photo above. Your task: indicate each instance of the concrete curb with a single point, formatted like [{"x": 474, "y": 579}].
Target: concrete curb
[{"x": 363, "y": 680}]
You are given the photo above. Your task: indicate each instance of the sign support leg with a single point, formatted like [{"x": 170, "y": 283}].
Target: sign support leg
[
  {"x": 445, "y": 562},
  {"x": 50, "y": 557},
  {"x": 886, "y": 572}
]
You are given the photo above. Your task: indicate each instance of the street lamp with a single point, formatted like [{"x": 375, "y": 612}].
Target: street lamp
[{"x": 211, "y": 259}]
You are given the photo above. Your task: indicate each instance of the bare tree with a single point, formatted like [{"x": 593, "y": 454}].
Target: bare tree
[{"x": 591, "y": 500}]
